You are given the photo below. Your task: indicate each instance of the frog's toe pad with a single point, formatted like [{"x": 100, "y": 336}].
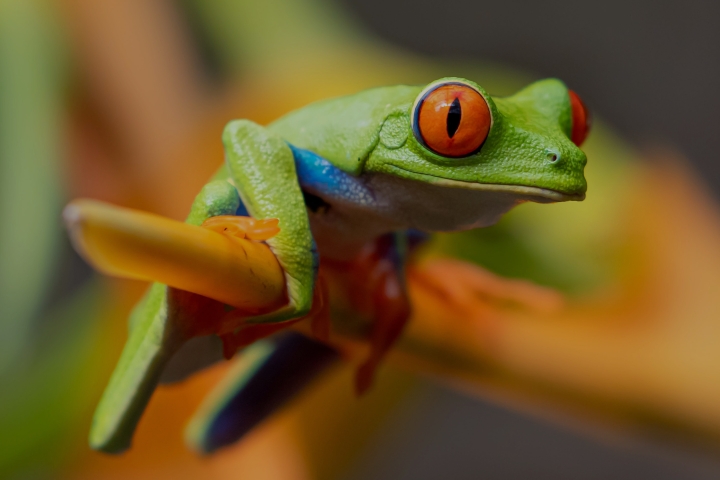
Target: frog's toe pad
[{"x": 243, "y": 227}]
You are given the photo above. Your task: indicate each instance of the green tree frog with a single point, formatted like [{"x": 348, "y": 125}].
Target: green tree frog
[{"x": 352, "y": 181}]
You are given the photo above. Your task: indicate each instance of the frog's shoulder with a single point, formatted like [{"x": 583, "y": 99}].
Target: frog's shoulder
[{"x": 345, "y": 130}]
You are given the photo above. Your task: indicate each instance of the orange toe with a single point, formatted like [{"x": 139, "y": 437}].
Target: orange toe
[{"x": 243, "y": 227}]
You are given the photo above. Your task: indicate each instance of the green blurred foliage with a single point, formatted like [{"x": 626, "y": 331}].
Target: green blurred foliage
[
  {"x": 31, "y": 102},
  {"x": 46, "y": 403}
]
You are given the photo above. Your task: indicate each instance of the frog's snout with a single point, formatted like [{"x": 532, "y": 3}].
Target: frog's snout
[{"x": 563, "y": 170}]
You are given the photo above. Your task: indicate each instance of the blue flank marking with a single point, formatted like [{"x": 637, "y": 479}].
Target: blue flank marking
[
  {"x": 324, "y": 179},
  {"x": 241, "y": 210},
  {"x": 294, "y": 362}
]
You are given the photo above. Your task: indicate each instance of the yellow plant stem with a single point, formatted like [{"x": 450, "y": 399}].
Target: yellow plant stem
[{"x": 137, "y": 245}]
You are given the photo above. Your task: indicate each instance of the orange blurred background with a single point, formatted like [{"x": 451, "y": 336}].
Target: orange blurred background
[{"x": 125, "y": 100}]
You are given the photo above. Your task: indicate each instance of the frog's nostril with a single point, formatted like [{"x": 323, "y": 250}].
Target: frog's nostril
[{"x": 552, "y": 156}]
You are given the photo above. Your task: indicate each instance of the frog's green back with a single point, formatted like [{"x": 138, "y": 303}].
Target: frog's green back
[{"x": 345, "y": 130}]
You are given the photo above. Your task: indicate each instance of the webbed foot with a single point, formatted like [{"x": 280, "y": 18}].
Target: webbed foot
[{"x": 243, "y": 227}]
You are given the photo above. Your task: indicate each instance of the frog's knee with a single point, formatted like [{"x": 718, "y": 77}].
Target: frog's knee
[
  {"x": 216, "y": 198},
  {"x": 219, "y": 191},
  {"x": 237, "y": 129}
]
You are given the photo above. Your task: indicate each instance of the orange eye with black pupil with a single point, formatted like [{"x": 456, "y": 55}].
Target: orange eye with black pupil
[
  {"x": 452, "y": 120},
  {"x": 581, "y": 120}
]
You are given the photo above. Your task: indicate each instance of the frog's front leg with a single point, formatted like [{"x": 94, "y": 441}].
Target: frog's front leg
[{"x": 262, "y": 167}]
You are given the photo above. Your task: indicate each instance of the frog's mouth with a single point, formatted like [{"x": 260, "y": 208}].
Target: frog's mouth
[{"x": 534, "y": 194}]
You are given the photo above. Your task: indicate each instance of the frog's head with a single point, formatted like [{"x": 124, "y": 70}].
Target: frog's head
[{"x": 456, "y": 135}]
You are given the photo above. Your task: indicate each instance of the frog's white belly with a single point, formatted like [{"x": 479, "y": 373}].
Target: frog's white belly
[
  {"x": 346, "y": 211},
  {"x": 395, "y": 203}
]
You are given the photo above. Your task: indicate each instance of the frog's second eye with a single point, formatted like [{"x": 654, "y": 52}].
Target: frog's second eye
[
  {"x": 452, "y": 120},
  {"x": 581, "y": 120}
]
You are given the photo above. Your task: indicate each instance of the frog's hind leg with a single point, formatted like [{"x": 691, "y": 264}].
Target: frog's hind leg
[
  {"x": 393, "y": 312},
  {"x": 264, "y": 378},
  {"x": 389, "y": 300}
]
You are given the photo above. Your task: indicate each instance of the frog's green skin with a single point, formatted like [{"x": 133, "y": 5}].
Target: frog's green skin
[
  {"x": 358, "y": 154},
  {"x": 369, "y": 136}
]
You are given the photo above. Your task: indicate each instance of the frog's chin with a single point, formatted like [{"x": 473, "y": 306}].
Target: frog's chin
[{"x": 524, "y": 193}]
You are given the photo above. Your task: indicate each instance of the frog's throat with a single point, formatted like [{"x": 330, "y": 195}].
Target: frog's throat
[{"x": 535, "y": 194}]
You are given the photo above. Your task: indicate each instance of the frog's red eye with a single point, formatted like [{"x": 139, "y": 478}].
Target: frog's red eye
[
  {"x": 452, "y": 120},
  {"x": 581, "y": 120}
]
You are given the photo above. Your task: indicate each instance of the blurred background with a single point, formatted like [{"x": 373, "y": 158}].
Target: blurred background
[{"x": 124, "y": 101}]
